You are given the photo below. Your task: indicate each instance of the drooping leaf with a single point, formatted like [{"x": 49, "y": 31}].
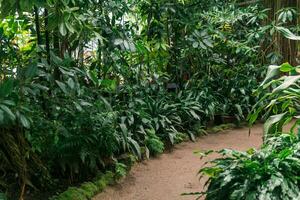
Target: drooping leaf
[
  {"x": 194, "y": 115},
  {"x": 136, "y": 147},
  {"x": 1, "y": 116},
  {"x": 24, "y": 121},
  {"x": 71, "y": 83},
  {"x": 273, "y": 70},
  {"x": 8, "y": 111},
  {"x": 288, "y": 81},
  {"x": 62, "y": 86},
  {"x": 287, "y": 33},
  {"x": 6, "y": 87},
  {"x": 63, "y": 29},
  {"x": 271, "y": 121},
  {"x": 69, "y": 27}
]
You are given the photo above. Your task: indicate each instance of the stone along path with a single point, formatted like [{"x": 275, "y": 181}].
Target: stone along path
[{"x": 173, "y": 173}]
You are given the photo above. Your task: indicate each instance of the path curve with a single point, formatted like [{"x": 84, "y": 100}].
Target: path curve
[{"x": 169, "y": 175}]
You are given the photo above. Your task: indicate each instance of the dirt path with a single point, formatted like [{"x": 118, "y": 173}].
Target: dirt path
[{"x": 166, "y": 177}]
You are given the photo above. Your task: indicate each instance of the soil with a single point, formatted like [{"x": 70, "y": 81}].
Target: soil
[{"x": 171, "y": 174}]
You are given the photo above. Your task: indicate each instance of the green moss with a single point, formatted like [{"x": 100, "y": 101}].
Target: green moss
[
  {"x": 180, "y": 137},
  {"x": 109, "y": 177},
  {"x": 72, "y": 194},
  {"x": 129, "y": 160},
  {"x": 101, "y": 184},
  {"x": 199, "y": 130},
  {"x": 121, "y": 170},
  {"x": 221, "y": 127},
  {"x": 155, "y": 145},
  {"x": 103, "y": 180},
  {"x": 99, "y": 176},
  {"x": 89, "y": 189}
]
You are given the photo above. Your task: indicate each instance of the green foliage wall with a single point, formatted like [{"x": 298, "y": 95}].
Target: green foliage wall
[{"x": 85, "y": 82}]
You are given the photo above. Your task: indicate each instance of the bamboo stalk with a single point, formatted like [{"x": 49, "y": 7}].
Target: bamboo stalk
[
  {"x": 37, "y": 25},
  {"x": 47, "y": 35}
]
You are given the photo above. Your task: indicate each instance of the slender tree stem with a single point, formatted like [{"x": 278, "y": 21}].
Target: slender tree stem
[
  {"x": 37, "y": 25},
  {"x": 47, "y": 35}
]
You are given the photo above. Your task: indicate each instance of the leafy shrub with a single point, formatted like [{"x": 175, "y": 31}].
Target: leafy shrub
[
  {"x": 269, "y": 173},
  {"x": 81, "y": 141},
  {"x": 72, "y": 193},
  {"x": 90, "y": 189},
  {"x": 121, "y": 170},
  {"x": 103, "y": 180},
  {"x": 190, "y": 111},
  {"x": 78, "y": 88},
  {"x": 163, "y": 112},
  {"x": 278, "y": 104},
  {"x": 87, "y": 190},
  {"x": 273, "y": 171},
  {"x": 153, "y": 143}
]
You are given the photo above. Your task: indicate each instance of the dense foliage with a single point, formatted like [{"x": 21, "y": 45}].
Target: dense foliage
[
  {"x": 272, "y": 171},
  {"x": 83, "y": 82},
  {"x": 269, "y": 173},
  {"x": 279, "y": 99}
]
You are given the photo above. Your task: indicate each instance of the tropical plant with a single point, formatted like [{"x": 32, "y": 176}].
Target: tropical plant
[
  {"x": 83, "y": 82},
  {"x": 278, "y": 99},
  {"x": 153, "y": 143},
  {"x": 268, "y": 173}
]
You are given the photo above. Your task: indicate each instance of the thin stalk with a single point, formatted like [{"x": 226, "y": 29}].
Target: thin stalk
[
  {"x": 37, "y": 25},
  {"x": 47, "y": 35}
]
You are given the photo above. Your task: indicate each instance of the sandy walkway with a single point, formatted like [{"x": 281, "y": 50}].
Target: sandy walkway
[{"x": 166, "y": 177}]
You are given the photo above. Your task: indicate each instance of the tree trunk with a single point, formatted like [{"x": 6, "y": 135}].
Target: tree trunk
[
  {"x": 287, "y": 48},
  {"x": 47, "y": 35},
  {"x": 37, "y": 25}
]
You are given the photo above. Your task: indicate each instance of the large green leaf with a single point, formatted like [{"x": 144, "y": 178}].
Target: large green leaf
[
  {"x": 273, "y": 70},
  {"x": 6, "y": 87},
  {"x": 286, "y": 67},
  {"x": 135, "y": 147},
  {"x": 8, "y": 111},
  {"x": 288, "y": 81},
  {"x": 62, "y": 86},
  {"x": 24, "y": 121},
  {"x": 271, "y": 121},
  {"x": 1, "y": 116},
  {"x": 63, "y": 29},
  {"x": 287, "y": 33}
]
